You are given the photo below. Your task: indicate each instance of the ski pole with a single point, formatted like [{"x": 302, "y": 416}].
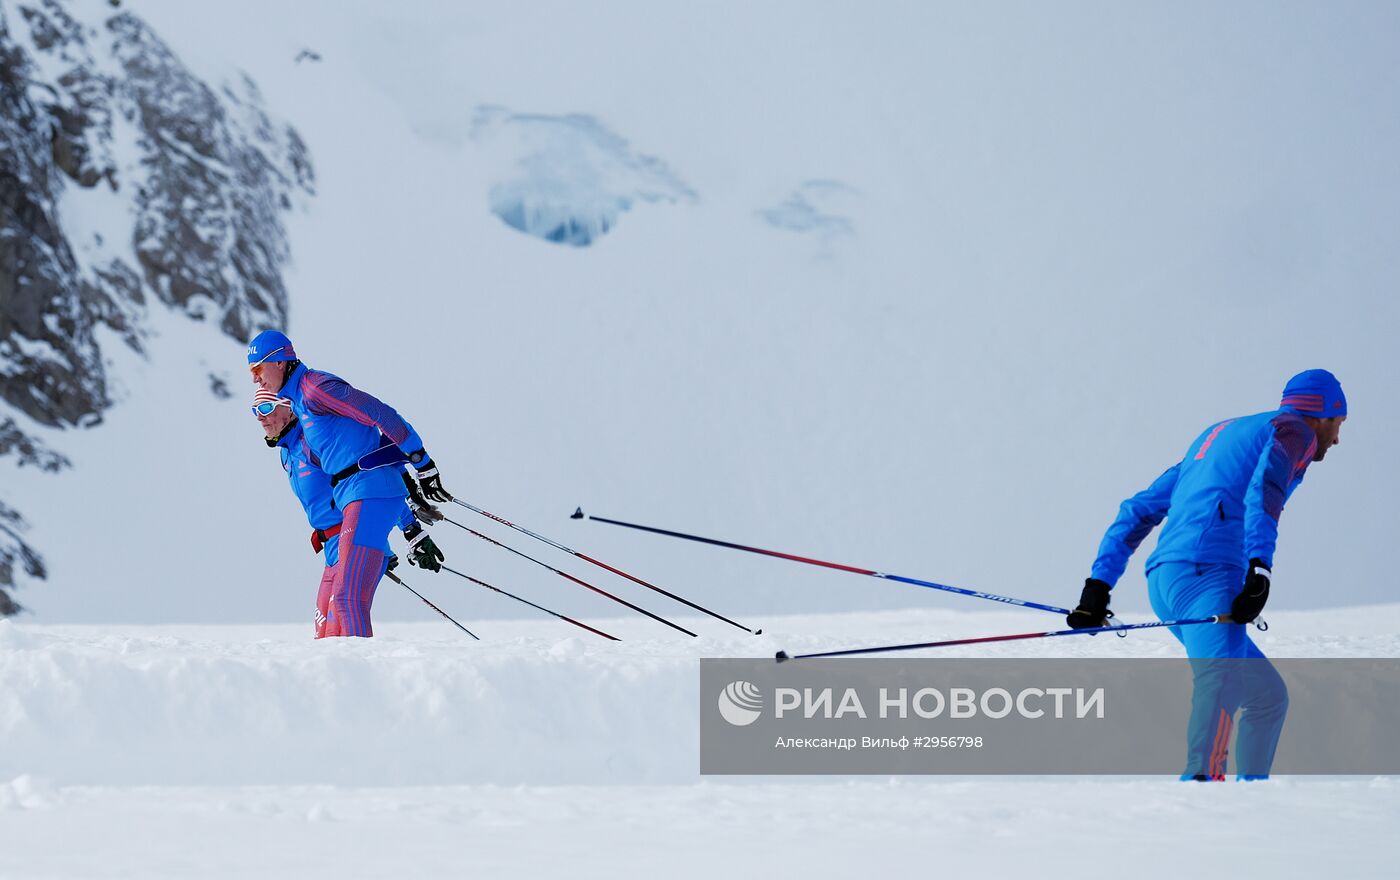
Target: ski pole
[
  {"x": 976, "y": 594},
  {"x": 1122, "y": 627},
  {"x": 565, "y": 574},
  {"x": 531, "y": 604},
  {"x": 586, "y": 558},
  {"x": 395, "y": 578}
]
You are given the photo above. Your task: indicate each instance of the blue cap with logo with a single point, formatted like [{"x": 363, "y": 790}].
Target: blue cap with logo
[{"x": 269, "y": 347}]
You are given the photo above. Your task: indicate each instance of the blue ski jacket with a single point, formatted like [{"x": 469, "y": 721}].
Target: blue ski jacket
[
  {"x": 1222, "y": 501},
  {"x": 310, "y": 484},
  {"x": 312, "y": 487},
  {"x": 341, "y": 423}
]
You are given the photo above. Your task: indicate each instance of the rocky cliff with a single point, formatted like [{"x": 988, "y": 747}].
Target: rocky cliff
[{"x": 126, "y": 183}]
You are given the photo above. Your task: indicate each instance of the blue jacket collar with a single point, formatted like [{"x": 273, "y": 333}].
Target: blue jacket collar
[
  {"x": 291, "y": 436},
  {"x": 293, "y": 379}
]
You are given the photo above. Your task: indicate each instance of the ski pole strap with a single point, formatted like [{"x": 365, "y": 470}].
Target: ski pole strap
[
  {"x": 1118, "y": 628},
  {"x": 382, "y": 456}
]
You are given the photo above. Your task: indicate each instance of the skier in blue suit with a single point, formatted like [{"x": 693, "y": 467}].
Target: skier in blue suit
[
  {"x": 312, "y": 487},
  {"x": 1215, "y": 556},
  {"x": 340, "y": 426}
]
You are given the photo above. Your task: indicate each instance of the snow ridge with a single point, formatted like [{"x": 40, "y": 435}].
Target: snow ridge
[{"x": 125, "y": 709}]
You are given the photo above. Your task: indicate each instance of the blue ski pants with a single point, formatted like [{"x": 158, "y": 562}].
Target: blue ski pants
[
  {"x": 363, "y": 557},
  {"x": 1230, "y": 674}
]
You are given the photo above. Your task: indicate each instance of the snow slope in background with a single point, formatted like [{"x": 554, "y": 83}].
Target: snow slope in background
[
  {"x": 247, "y": 751},
  {"x": 1078, "y": 235}
]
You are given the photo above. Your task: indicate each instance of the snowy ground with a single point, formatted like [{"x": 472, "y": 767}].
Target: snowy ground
[
  {"x": 1100, "y": 828},
  {"x": 251, "y": 751}
]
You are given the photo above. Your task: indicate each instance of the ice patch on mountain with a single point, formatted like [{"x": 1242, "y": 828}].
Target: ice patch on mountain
[{"x": 568, "y": 179}]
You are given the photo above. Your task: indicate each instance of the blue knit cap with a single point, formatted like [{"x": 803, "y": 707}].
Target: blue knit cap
[{"x": 1315, "y": 393}]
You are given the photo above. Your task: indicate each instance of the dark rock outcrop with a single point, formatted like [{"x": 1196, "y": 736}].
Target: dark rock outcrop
[
  {"x": 14, "y": 552},
  {"x": 207, "y": 176}
]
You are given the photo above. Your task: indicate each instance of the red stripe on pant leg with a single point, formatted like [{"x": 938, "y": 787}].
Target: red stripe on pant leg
[
  {"x": 342, "y": 590},
  {"x": 358, "y": 575},
  {"x": 364, "y": 595},
  {"x": 376, "y": 570},
  {"x": 1215, "y": 746},
  {"x": 1214, "y": 769},
  {"x": 354, "y": 626},
  {"x": 358, "y": 590},
  {"x": 363, "y": 625},
  {"x": 342, "y": 625},
  {"x": 1219, "y": 753},
  {"x": 323, "y": 599},
  {"x": 361, "y": 598}
]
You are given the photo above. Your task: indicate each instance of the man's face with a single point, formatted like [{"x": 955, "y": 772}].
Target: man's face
[
  {"x": 274, "y": 424},
  {"x": 269, "y": 376},
  {"x": 1329, "y": 434}
]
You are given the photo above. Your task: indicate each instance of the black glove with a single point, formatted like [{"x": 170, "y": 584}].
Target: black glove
[
  {"x": 1251, "y": 599},
  {"x": 422, "y": 510},
  {"x": 422, "y": 552},
  {"x": 392, "y": 564},
  {"x": 1093, "y": 606},
  {"x": 429, "y": 481}
]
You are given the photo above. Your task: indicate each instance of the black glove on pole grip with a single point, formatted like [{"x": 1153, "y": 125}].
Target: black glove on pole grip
[
  {"x": 1092, "y": 610},
  {"x": 1252, "y": 598}
]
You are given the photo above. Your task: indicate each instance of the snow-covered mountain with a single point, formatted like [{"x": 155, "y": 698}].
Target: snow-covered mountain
[
  {"x": 921, "y": 287},
  {"x": 124, "y": 179}
]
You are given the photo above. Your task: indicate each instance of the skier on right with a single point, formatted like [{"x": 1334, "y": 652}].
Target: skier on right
[{"x": 1215, "y": 556}]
